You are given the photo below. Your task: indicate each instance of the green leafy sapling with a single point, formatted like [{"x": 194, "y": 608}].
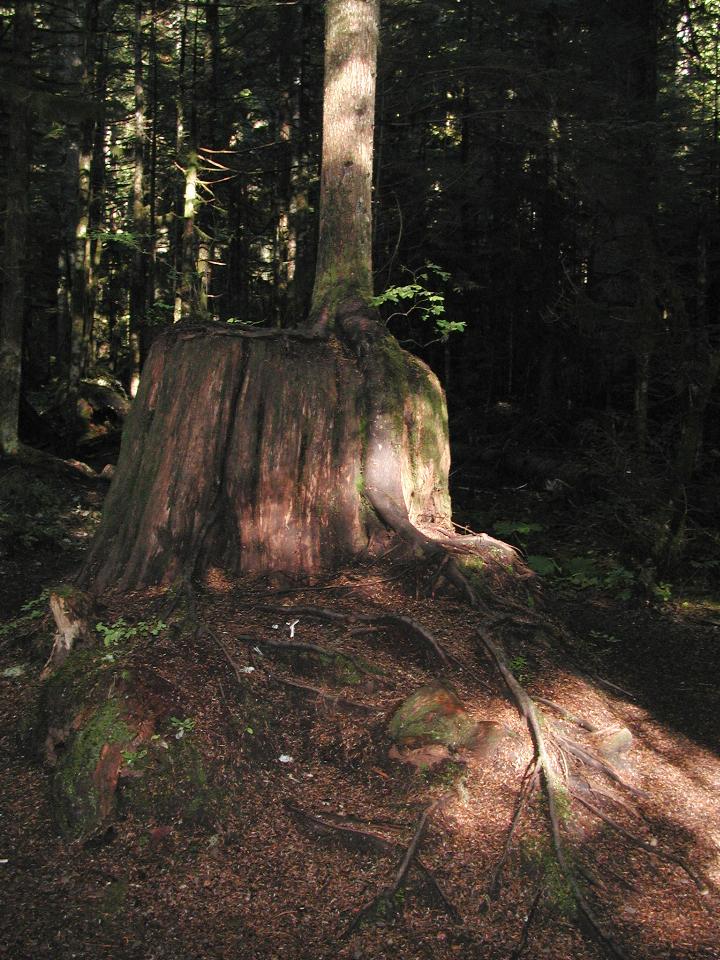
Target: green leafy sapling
[{"x": 418, "y": 299}]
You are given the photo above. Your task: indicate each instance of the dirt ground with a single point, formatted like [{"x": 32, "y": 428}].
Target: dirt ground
[{"x": 283, "y": 862}]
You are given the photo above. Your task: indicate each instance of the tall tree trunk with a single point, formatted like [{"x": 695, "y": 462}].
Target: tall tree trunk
[
  {"x": 138, "y": 210},
  {"x": 344, "y": 262},
  {"x": 151, "y": 268},
  {"x": 12, "y": 307}
]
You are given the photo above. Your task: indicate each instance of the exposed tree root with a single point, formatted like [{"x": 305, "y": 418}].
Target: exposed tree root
[
  {"x": 385, "y": 901},
  {"x": 343, "y": 703},
  {"x": 606, "y": 795},
  {"x": 334, "y": 700},
  {"x": 365, "y": 838},
  {"x": 529, "y": 783},
  {"x": 409, "y": 626},
  {"x": 567, "y": 715},
  {"x": 517, "y": 952},
  {"x": 296, "y": 646},
  {"x": 397, "y": 519},
  {"x": 545, "y": 768},
  {"x": 580, "y": 753}
]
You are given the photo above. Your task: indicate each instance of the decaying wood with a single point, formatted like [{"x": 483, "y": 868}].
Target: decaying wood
[
  {"x": 72, "y": 610},
  {"x": 266, "y": 471}
]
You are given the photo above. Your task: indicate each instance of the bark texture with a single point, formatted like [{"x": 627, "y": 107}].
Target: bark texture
[
  {"x": 344, "y": 262},
  {"x": 252, "y": 453}
]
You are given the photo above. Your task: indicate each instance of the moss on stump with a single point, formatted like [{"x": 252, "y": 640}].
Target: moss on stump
[{"x": 432, "y": 714}]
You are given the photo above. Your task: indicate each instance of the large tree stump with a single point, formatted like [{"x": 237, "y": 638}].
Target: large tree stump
[{"x": 256, "y": 451}]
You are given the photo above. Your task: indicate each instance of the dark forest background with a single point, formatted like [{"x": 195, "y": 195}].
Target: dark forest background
[{"x": 547, "y": 177}]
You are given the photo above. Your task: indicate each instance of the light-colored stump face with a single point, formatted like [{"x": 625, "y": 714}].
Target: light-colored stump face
[{"x": 72, "y": 611}]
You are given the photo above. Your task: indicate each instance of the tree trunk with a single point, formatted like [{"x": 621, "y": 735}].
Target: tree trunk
[
  {"x": 273, "y": 464},
  {"x": 12, "y": 307},
  {"x": 255, "y": 450},
  {"x": 138, "y": 210},
  {"x": 344, "y": 262}
]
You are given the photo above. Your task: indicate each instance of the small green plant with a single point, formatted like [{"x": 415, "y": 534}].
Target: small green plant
[
  {"x": 519, "y": 529},
  {"x": 132, "y": 757},
  {"x": 421, "y": 300},
  {"x": 662, "y": 591},
  {"x": 520, "y": 669},
  {"x": 29, "y": 612},
  {"x": 182, "y": 727},
  {"x": 117, "y": 634}
]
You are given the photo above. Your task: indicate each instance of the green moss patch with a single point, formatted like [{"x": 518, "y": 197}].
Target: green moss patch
[
  {"x": 84, "y": 780},
  {"x": 432, "y": 714},
  {"x": 169, "y": 782}
]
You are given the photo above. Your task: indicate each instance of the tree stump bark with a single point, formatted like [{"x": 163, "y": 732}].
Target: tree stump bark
[{"x": 253, "y": 451}]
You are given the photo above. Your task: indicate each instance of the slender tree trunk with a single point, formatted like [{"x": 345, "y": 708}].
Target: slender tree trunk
[
  {"x": 344, "y": 262},
  {"x": 288, "y": 45},
  {"x": 180, "y": 141},
  {"x": 12, "y": 307}
]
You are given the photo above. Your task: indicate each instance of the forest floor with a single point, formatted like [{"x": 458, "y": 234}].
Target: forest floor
[{"x": 264, "y": 872}]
